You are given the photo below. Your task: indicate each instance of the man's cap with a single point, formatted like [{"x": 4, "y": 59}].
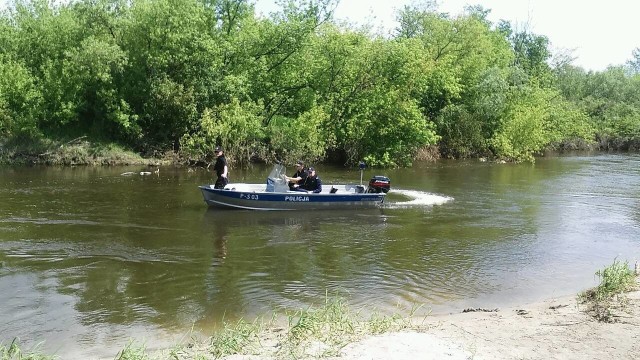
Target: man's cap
[
  {"x": 299, "y": 163},
  {"x": 311, "y": 169},
  {"x": 218, "y": 149}
]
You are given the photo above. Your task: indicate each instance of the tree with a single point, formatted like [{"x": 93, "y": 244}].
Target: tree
[
  {"x": 466, "y": 56},
  {"x": 20, "y": 101},
  {"x": 634, "y": 63},
  {"x": 235, "y": 126},
  {"x": 166, "y": 43}
]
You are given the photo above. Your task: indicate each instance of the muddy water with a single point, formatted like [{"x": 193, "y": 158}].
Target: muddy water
[{"x": 91, "y": 258}]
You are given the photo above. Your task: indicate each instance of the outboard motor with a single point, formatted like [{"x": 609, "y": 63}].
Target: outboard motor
[{"x": 379, "y": 184}]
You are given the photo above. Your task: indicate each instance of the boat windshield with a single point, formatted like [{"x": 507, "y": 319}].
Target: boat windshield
[
  {"x": 277, "y": 171},
  {"x": 275, "y": 181}
]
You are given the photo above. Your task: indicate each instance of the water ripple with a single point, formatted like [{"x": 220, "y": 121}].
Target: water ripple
[{"x": 46, "y": 221}]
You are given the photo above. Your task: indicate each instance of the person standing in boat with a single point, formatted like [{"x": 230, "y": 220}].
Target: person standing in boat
[
  {"x": 312, "y": 183},
  {"x": 298, "y": 177},
  {"x": 221, "y": 169}
]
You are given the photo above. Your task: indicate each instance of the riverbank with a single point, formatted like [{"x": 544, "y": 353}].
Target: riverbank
[
  {"x": 75, "y": 152},
  {"x": 563, "y": 327},
  {"x": 554, "y": 329},
  {"x": 84, "y": 152}
]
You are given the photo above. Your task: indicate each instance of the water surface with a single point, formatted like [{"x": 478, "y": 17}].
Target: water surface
[{"x": 90, "y": 258}]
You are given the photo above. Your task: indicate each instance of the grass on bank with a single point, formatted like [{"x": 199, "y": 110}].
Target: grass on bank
[
  {"x": 14, "y": 352},
  {"x": 615, "y": 280},
  {"x": 79, "y": 151},
  {"x": 311, "y": 333}
]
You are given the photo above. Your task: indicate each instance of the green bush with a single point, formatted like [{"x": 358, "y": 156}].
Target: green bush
[
  {"x": 615, "y": 280},
  {"x": 235, "y": 126}
]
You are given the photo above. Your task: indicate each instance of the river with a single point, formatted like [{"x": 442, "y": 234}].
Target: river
[{"x": 90, "y": 258}]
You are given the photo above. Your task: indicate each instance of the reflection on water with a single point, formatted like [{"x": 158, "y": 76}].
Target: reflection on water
[{"x": 90, "y": 258}]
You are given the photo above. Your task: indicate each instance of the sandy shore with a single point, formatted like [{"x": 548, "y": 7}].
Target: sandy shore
[
  {"x": 560, "y": 328},
  {"x": 554, "y": 329}
]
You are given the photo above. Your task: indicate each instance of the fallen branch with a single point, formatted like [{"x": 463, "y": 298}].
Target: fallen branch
[
  {"x": 479, "y": 310},
  {"x": 74, "y": 140}
]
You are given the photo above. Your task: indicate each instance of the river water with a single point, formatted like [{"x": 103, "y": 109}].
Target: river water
[{"x": 90, "y": 258}]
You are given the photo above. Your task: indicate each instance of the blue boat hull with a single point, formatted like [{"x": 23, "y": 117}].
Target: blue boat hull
[{"x": 232, "y": 199}]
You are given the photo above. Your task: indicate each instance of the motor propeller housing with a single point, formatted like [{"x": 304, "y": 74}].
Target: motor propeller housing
[{"x": 379, "y": 184}]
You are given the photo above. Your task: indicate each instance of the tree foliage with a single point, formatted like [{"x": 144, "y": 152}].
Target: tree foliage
[
  {"x": 20, "y": 100},
  {"x": 610, "y": 100},
  {"x": 187, "y": 75},
  {"x": 235, "y": 126}
]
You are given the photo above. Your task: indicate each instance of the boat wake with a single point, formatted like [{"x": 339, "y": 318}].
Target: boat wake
[{"x": 400, "y": 198}]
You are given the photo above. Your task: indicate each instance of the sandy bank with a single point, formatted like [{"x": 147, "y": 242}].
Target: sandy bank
[
  {"x": 558, "y": 328},
  {"x": 553, "y": 329}
]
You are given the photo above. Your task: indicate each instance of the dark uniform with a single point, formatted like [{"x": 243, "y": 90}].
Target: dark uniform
[
  {"x": 221, "y": 162},
  {"x": 302, "y": 174},
  {"x": 312, "y": 182}
]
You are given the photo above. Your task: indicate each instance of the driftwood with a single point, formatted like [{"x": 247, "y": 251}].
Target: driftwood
[
  {"x": 479, "y": 310},
  {"x": 555, "y": 307}
]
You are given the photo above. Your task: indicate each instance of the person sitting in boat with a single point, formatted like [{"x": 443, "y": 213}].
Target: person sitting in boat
[
  {"x": 312, "y": 183},
  {"x": 298, "y": 177}
]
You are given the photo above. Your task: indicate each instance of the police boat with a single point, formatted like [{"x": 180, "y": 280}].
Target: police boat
[{"x": 276, "y": 195}]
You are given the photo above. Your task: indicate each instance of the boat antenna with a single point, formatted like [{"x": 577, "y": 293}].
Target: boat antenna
[{"x": 362, "y": 166}]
